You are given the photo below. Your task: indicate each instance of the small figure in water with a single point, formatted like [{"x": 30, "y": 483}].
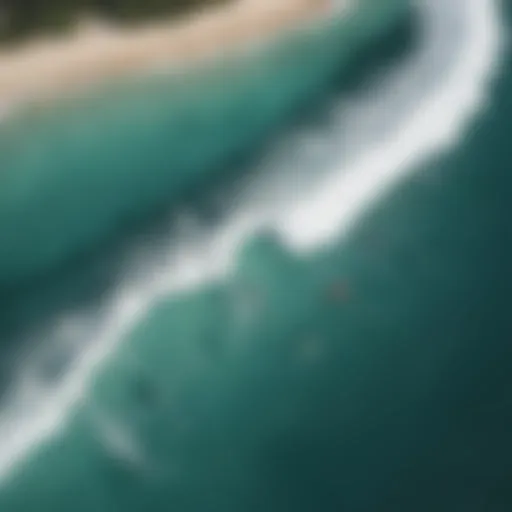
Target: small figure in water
[{"x": 338, "y": 291}]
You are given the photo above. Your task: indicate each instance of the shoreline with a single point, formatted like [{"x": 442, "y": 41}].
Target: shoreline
[
  {"x": 470, "y": 77},
  {"x": 470, "y": 72},
  {"x": 47, "y": 69}
]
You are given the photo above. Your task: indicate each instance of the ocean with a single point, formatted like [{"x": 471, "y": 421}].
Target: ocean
[{"x": 322, "y": 325}]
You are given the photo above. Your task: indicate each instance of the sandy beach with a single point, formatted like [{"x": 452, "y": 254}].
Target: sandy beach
[{"x": 47, "y": 69}]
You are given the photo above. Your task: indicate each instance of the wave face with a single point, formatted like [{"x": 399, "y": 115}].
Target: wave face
[
  {"x": 72, "y": 175},
  {"x": 272, "y": 389}
]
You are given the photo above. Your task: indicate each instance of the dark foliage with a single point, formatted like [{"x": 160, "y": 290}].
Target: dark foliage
[{"x": 19, "y": 18}]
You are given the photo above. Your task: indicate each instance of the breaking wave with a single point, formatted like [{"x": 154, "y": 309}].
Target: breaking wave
[{"x": 417, "y": 109}]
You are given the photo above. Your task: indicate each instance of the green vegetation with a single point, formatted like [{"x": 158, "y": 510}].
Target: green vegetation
[{"x": 19, "y": 18}]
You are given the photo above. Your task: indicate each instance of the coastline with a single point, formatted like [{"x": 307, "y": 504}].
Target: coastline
[
  {"x": 55, "y": 410},
  {"x": 48, "y": 69},
  {"x": 438, "y": 111}
]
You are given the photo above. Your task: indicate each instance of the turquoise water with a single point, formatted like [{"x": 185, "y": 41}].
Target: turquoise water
[
  {"x": 372, "y": 374},
  {"x": 150, "y": 142}
]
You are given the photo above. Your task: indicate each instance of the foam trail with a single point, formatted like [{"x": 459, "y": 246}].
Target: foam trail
[
  {"x": 119, "y": 442},
  {"x": 431, "y": 123},
  {"x": 435, "y": 125}
]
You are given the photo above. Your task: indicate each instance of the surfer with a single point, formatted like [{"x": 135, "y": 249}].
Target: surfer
[{"x": 338, "y": 291}]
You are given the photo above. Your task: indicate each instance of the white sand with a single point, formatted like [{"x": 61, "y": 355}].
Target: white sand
[{"x": 51, "y": 68}]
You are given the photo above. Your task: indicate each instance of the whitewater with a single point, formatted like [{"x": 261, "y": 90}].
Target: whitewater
[{"x": 422, "y": 107}]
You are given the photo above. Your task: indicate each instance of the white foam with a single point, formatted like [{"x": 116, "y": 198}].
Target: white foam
[
  {"x": 434, "y": 125},
  {"x": 436, "y": 115}
]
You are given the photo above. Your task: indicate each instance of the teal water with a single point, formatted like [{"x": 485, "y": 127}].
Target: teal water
[
  {"x": 369, "y": 375},
  {"x": 150, "y": 142}
]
